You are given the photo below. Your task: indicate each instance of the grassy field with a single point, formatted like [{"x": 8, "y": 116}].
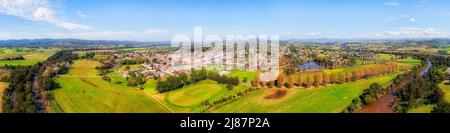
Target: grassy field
[
  {"x": 242, "y": 74},
  {"x": 189, "y": 98},
  {"x": 3, "y": 86},
  {"x": 446, "y": 89},
  {"x": 333, "y": 98},
  {"x": 402, "y": 62},
  {"x": 422, "y": 109},
  {"x": 82, "y": 91},
  {"x": 428, "y": 108},
  {"x": 32, "y": 56},
  {"x": 100, "y": 57},
  {"x": 410, "y": 61},
  {"x": 386, "y": 56},
  {"x": 347, "y": 69},
  {"x": 84, "y": 68},
  {"x": 123, "y": 67}
]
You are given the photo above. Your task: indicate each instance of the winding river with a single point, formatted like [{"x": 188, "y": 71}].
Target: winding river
[{"x": 385, "y": 103}]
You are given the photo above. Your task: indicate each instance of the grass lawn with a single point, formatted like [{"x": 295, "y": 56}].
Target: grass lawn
[
  {"x": 150, "y": 86},
  {"x": 410, "y": 61},
  {"x": 386, "y": 56},
  {"x": 31, "y": 58},
  {"x": 242, "y": 74},
  {"x": 3, "y": 86},
  {"x": 84, "y": 68},
  {"x": 422, "y": 109},
  {"x": 347, "y": 69},
  {"x": 329, "y": 99},
  {"x": 189, "y": 98},
  {"x": 81, "y": 92},
  {"x": 123, "y": 67},
  {"x": 446, "y": 89},
  {"x": 100, "y": 57}
]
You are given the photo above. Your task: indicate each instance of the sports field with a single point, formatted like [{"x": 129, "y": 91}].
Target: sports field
[{"x": 189, "y": 98}]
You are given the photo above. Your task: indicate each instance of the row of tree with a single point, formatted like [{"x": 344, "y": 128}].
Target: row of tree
[
  {"x": 19, "y": 57},
  {"x": 209, "y": 104},
  {"x": 321, "y": 79},
  {"x": 182, "y": 79}
]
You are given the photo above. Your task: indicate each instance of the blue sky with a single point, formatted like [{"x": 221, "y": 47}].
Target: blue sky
[{"x": 154, "y": 20}]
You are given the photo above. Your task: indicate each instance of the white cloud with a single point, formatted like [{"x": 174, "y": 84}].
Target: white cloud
[
  {"x": 73, "y": 26},
  {"x": 111, "y": 35},
  {"x": 43, "y": 14},
  {"x": 402, "y": 17},
  {"x": 101, "y": 35},
  {"x": 405, "y": 32},
  {"x": 82, "y": 15},
  {"x": 36, "y": 10},
  {"x": 394, "y": 3},
  {"x": 5, "y": 35},
  {"x": 411, "y": 32},
  {"x": 412, "y": 19},
  {"x": 394, "y": 18},
  {"x": 155, "y": 31},
  {"x": 314, "y": 34}
]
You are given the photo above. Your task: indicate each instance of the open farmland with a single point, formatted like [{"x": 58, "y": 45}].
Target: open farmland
[
  {"x": 95, "y": 95},
  {"x": 332, "y": 98},
  {"x": 31, "y": 56},
  {"x": 446, "y": 88},
  {"x": 244, "y": 74}
]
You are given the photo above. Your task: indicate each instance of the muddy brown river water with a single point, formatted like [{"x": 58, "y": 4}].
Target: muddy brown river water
[{"x": 384, "y": 105}]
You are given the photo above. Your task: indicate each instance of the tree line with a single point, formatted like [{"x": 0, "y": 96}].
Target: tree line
[
  {"x": 369, "y": 96},
  {"x": 182, "y": 79},
  {"x": 28, "y": 84},
  {"x": 322, "y": 79},
  {"x": 18, "y": 57},
  {"x": 420, "y": 89}
]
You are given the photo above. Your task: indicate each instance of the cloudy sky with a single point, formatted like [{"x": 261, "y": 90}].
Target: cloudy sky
[{"x": 155, "y": 20}]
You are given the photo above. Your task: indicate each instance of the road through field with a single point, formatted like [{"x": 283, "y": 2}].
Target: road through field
[{"x": 159, "y": 102}]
